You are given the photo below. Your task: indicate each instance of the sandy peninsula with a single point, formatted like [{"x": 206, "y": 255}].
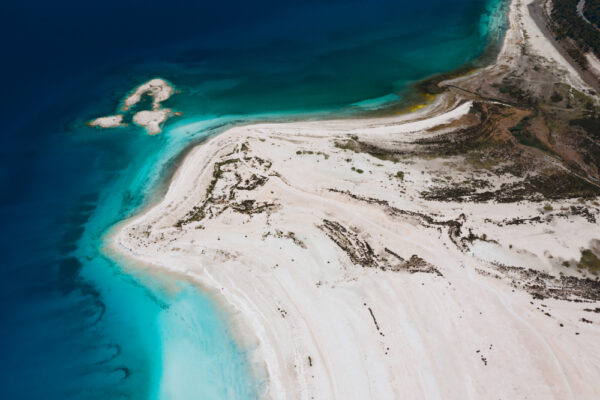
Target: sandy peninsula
[{"x": 431, "y": 255}]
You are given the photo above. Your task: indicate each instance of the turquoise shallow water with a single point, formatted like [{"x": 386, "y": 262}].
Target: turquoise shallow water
[
  {"x": 183, "y": 347},
  {"x": 76, "y": 324}
]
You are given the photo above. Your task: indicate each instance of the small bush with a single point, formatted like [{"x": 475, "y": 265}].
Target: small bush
[{"x": 556, "y": 97}]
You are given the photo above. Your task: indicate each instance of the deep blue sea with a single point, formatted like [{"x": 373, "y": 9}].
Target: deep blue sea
[{"x": 75, "y": 324}]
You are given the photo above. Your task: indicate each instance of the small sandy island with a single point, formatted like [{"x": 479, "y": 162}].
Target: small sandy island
[
  {"x": 159, "y": 90},
  {"x": 111, "y": 121},
  {"x": 451, "y": 253}
]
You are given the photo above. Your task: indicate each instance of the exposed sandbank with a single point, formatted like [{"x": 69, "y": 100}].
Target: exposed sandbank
[
  {"x": 111, "y": 121},
  {"x": 152, "y": 120},
  {"x": 157, "y": 88}
]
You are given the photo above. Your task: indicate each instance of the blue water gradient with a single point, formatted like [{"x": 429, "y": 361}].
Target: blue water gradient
[{"x": 77, "y": 324}]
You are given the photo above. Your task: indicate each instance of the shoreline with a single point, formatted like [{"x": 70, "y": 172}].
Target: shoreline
[
  {"x": 114, "y": 249},
  {"x": 425, "y": 91},
  {"x": 267, "y": 359},
  {"x": 539, "y": 16},
  {"x": 206, "y": 284},
  {"x": 403, "y": 107}
]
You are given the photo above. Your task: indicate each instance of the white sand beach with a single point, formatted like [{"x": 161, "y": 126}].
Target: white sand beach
[{"x": 345, "y": 281}]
